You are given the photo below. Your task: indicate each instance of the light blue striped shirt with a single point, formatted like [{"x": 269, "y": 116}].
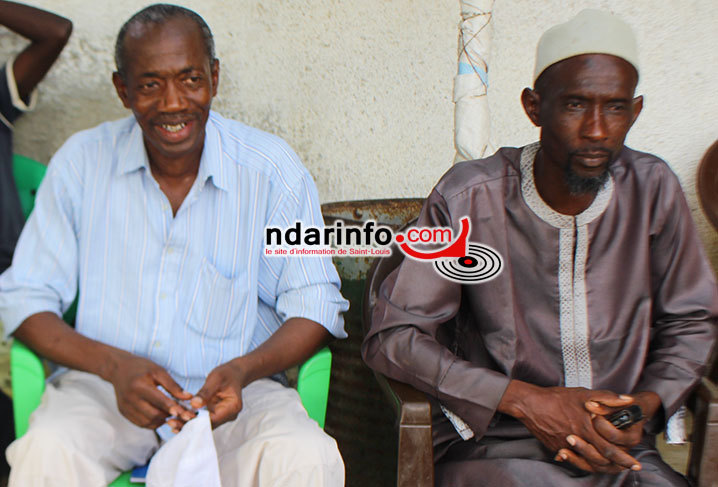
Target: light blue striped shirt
[{"x": 191, "y": 291}]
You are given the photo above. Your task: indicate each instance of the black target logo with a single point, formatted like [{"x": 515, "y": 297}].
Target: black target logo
[{"x": 480, "y": 265}]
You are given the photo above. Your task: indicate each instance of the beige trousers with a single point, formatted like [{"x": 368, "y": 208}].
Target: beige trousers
[{"x": 78, "y": 438}]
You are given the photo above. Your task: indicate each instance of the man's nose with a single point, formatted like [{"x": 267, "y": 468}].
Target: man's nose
[
  {"x": 594, "y": 125},
  {"x": 173, "y": 99}
]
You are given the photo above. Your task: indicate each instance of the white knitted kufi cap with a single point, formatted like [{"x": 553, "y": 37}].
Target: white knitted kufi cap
[{"x": 590, "y": 32}]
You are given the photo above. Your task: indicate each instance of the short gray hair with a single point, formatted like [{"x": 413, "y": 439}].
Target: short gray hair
[{"x": 158, "y": 14}]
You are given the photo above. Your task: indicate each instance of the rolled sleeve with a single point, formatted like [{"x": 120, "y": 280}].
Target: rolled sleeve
[
  {"x": 17, "y": 101},
  {"x": 322, "y": 303},
  {"x": 303, "y": 286},
  {"x": 11, "y": 105},
  {"x": 23, "y": 303}
]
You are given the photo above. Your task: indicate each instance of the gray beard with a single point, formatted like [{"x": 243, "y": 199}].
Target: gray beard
[{"x": 578, "y": 186}]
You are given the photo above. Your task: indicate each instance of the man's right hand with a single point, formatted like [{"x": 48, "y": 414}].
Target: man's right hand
[
  {"x": 134, "y": 378},
  {"x": 138, "y": 398},
  {"x": 557, "y": 416}
]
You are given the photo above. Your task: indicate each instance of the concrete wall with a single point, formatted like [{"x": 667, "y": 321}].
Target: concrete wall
[{"x": 363, "y": 89}]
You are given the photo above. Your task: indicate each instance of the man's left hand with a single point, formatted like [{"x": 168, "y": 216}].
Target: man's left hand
[
  {"x": 292, "y": 343},
  {"x": 649, "y": 403},
  {"x": 221, "y": 393},
  {"x": 625, "y": 439}
]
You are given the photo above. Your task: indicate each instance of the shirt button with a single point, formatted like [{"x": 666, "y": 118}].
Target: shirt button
[
  {"x": 163, "y": 295},
  {"x": 157, "y": 344},
  {"x": 170, "y": 251}
]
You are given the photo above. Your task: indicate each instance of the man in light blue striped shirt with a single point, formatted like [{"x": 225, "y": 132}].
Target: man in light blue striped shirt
[{"x": 159, "y": 220}]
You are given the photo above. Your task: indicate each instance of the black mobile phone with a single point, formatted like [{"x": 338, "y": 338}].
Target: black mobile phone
[{"x": 626, "y": 417}]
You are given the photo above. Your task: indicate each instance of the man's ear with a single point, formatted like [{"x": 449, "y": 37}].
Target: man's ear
[
  {"x": 531, "y": 101},
  {"x": 214, "y": 69},
  {"x": 121, "y": 88},
  {"x": 637, "y": 106}
]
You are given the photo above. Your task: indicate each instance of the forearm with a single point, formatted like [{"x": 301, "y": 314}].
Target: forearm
[
  {"x": 514, "y": 400},
  {"x": 676, "y": 362},
  {"x": 650, "y": 403},
  {"x": 33, "y": 23},
  {"x": 48, "y": 34},
  {"x": 52, "y": 338},
  {"x": 684, "y": 304},
  {"x": 408, "y": 355},
  {"x": 293, "y": 343},
  {"x": 654, "y": 410}
]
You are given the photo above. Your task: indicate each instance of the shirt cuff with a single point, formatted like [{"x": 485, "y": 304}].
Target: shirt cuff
[
  {"x": 672, "y": 384},
  {"x": 322, "y": 303},
  {"x": 18, "y": 102},
  {"x": 481, "y": 391},
  {"x": 12, "y": 315}
]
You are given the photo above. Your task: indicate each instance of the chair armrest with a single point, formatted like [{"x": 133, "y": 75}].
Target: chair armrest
[
  {"x": 313, "y": 384},
  {"x": 703, "y": 462},
  {"x": 28, "y": 382},
  {"x": 415, "y": 455}
]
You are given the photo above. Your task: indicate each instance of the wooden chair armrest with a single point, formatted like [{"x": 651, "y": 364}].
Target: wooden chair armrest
[
  {"x": 415, "y": 454},
  {"x": 703, "y": 461}
]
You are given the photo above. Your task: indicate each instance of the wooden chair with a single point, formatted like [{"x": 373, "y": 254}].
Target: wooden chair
[
  {"x": 415, "y": 457},
  {"x": 703, "y": 464},
  {"x": 415, "y": 464}
]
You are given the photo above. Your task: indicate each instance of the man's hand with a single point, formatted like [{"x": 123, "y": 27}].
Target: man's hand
[
  {"x": 135, "y": 380},
  {"x": 294, "y": 342},
  {"x": 559, "y": 418},
  {"x": 626, "y": 438},
  {"x": 221, "y": 393}
]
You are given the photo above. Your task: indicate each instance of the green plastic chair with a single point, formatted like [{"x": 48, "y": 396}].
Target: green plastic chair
[
  {"x": 27, "y": 173},
  {"x": 27, "y": 371},
  {"x": 28, "y": 382}
]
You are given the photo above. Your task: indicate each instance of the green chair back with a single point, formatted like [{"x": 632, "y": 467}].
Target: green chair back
[
  {"x": 28, "y": 382},
  {"x": 27, "y": 173}
]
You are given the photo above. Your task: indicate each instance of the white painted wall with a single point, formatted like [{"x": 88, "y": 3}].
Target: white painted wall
[
  {"x": 362, "y": 89},
  {"x": 679, "y": 68}
]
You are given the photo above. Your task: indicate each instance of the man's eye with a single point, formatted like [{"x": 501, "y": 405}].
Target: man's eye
[
  {"x": 193, "y": 80},
  {"x": 616, "y": 107},
  {"x": 149, "y": 85},
  {"x": 574, "y": 105}
]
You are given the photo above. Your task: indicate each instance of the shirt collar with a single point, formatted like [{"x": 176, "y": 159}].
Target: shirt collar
[
  {"x": 134, "y": 156},
  {"x": 211, "y": 164},
  {"x": 543, "y": 210}
]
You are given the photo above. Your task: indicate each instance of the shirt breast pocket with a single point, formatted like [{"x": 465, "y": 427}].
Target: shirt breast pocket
[{"x": 213, "y": 303}]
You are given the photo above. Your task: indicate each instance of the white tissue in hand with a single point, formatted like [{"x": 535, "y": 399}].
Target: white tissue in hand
[{"x": 187, "y": 460}]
